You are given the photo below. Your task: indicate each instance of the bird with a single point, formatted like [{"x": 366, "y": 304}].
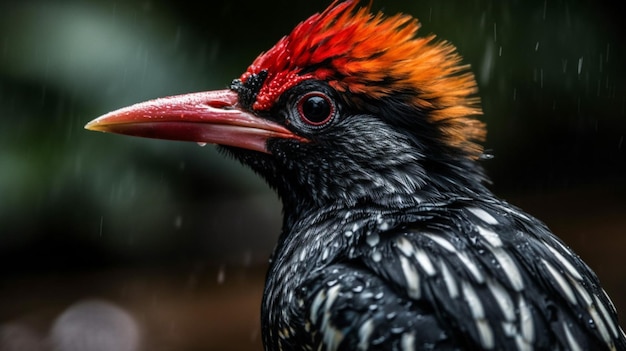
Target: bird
[{"x": 391, "y": 239}]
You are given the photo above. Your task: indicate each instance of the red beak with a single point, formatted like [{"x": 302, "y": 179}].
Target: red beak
[{"x": 207, "y": 117}]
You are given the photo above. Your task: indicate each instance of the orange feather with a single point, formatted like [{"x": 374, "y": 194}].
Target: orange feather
[{"x": 358, "y": 52}]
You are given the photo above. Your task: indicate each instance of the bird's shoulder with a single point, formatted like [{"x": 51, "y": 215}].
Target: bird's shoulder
[{"x": 417, "y": 279}]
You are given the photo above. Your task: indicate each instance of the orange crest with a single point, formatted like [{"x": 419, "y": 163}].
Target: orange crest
[{"x": 358, "y": 52}]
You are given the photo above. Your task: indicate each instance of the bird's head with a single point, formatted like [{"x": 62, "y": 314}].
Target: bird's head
[{"x": 349, "y": 106}]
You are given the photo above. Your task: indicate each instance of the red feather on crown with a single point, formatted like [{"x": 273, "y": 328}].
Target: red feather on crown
[{"x": 358, "y": 52}]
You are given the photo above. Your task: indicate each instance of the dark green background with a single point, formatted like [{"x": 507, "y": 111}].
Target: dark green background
[{"x": 73, "y": 203}]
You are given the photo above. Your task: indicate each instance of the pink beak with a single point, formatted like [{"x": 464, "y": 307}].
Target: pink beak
[{"x": 208, "y": 117}]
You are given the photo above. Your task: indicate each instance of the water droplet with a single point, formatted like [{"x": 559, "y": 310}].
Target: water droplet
[
  {"x": 372, "y": 239},
  {"x": 592, "y": 323},
  {"x": 396, "y": 330},
  {"x": 358, "y": 288},
  {"x": 367, "y": 295},
  {"x": 580, "y": 65},
  {"x": 383, "y": 226},
  {"x": 221, "y": 275}
]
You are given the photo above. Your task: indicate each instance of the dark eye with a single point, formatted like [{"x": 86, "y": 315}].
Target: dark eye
[{"x": 316, "y": 108}]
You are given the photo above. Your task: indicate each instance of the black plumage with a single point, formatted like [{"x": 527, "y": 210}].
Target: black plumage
[
  {"x": 390, "y": 238},
  {"x": 388, "y": 243}
]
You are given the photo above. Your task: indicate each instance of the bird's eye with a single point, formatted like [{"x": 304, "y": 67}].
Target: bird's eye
[{"x": 316, "y": 108}]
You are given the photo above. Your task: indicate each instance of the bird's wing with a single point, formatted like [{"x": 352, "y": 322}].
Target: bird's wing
[
  {"x": 350, "y": 308},
  {"x": 492, "y": 283}
]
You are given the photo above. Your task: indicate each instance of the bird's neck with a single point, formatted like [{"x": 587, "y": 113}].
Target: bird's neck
[
  {"x": 314, "y": 232},
  {"x": 396, "y": 189},
  {"x": 314, "y": 238},
  {"x": 316, "y": 228},
  {"x": 317, "y": 233}
]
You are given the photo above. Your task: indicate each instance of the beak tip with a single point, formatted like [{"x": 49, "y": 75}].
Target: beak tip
[
  {"x": 90, "y": 125},
  {"x": 94, "y": 125}
]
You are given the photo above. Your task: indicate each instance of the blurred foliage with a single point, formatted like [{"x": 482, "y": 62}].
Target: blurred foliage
[{"x": 551, "y": 74}]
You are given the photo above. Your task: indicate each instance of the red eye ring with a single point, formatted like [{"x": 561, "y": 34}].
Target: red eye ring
[{"x": 316, "y": 108}]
